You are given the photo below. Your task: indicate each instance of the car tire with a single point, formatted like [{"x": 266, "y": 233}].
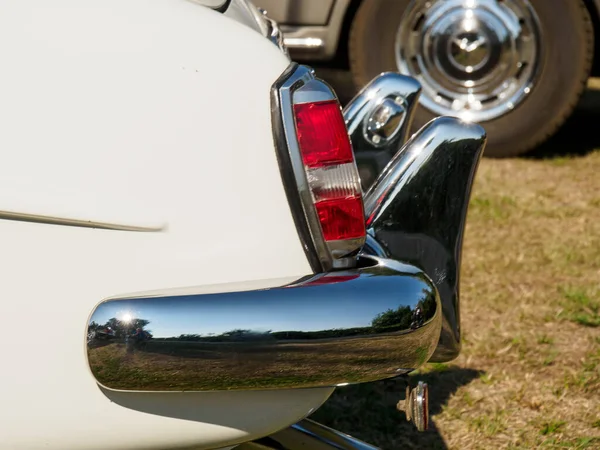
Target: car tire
[{"x": 565, "y": 60}]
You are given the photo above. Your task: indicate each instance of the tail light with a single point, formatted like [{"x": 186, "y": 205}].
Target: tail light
[{"x": 313, "y": 141}]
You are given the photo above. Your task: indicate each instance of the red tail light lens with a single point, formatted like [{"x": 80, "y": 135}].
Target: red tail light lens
[
  {"x": 341, "y": 218},
  {"x": 322, "y": 134},
  {"x": 330, "y": 170}
]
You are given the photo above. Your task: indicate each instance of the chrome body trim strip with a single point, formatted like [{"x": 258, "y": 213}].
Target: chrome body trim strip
[
  {"x": 379, "y": 320},
  {"x": 416, "y": 211},
  {"x": 50, "y": 220},
  {"x": 307, "y": 435}
]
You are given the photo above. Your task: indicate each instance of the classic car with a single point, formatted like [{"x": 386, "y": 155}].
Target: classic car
[
  {"x": 518, "y": 66},
  {"x": 171, "y": 174},
  {"x": 98, "y": 332}
]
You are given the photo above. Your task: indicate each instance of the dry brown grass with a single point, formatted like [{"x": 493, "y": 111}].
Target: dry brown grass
[{"x": 529, "y": 373}]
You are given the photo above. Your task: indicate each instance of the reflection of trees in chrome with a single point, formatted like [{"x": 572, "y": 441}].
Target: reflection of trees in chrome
[
  {"x": 405, "y": 317},
  {"x": 402, "y": 318},
  {"x": 121, "y": 328},
  {"x": 393, "y": 317}
]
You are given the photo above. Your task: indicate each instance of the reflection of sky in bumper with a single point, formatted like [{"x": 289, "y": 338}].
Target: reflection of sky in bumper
[{"x": 312, "y": 308}]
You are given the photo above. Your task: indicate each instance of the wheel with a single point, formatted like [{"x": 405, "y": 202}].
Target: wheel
[{"x": 518, "y": 67}]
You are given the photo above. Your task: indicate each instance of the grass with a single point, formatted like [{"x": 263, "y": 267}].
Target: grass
[
  {"x": 552, "y": 427},
  {"x": 581, "y": 306},
  {"x": 529, "y": 372}
]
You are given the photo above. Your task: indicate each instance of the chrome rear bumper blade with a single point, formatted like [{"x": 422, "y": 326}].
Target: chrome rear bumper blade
[
  {"x": 307, "y": 435},
  {"x": 416, "y": 211},
  {"x": 377, "y": 321}
]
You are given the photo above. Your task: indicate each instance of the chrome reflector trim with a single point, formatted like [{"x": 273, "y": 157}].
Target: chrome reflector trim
[
  {"x": 299, "y": 85},
  {"x": 377, "y": 321}
]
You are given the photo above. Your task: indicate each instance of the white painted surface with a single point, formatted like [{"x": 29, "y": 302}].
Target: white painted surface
[
  {"x": 244, "y": 11},
  {"x": 144, "y": 110}
]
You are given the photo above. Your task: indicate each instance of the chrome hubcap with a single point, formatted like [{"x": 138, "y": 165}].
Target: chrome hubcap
[{"x": 476, "y": 59}]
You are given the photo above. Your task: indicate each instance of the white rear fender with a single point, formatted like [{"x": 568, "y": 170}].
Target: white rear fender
[{"x": 145, "y": 114}]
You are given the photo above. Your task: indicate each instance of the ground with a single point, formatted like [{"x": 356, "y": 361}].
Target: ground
[{"x": 529, "y": 373}]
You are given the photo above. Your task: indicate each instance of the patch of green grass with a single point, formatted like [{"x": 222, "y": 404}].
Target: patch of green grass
[
  {"x": 587, "y": 378},
  {"x": 492, "y": 208},
  {"x": 550, "y": 358},
  {"x": 581, "y": 306},
  {"x": 559, "y": 161},
  {"x": 486, "y": 378},
  {"x": 572, "y": 444},
  {"x": 490, "y": 424},
  {"x": 430, "y": 368},
  {"x": 587, "y": 442},
  {"x": 468, "y": 399},
  {"x": 552, "y": 427},
  {"x": 439, "y": 367},
  {"x": 545, "y": 339}
]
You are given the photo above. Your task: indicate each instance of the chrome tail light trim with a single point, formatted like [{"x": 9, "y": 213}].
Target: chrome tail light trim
[
  {"x": 377, "y": 321},
  {"x": 416, "y": 211},
  {"x": 299, "y": 85},
  {"x": 294, "y": 179}
]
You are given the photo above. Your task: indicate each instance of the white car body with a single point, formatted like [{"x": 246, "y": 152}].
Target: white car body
[{"x": 138, "y": 114}]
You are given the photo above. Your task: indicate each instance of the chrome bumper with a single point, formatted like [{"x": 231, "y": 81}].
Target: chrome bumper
[{"x": 377, "y": 321}]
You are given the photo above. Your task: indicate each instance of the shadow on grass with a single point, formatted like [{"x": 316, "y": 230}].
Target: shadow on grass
[{"x": 368, "y": 411}]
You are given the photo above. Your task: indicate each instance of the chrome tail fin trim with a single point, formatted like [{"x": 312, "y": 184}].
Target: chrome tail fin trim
[{"x": 416, "y": 211}]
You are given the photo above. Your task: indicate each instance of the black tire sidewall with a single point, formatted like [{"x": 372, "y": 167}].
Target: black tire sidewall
[{"x": 565, "y": 62}]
